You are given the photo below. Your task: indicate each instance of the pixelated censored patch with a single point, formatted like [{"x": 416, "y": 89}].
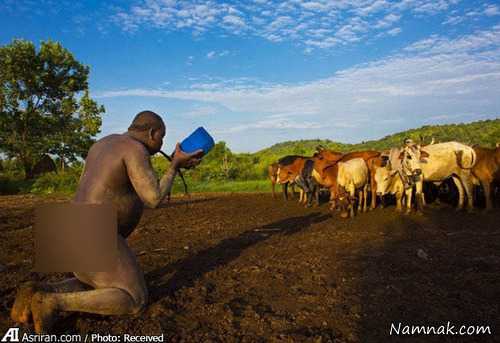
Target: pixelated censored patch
[{"x": 73, "y": 237}]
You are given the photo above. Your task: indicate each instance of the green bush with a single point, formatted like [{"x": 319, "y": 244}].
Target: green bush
[
  {"x": 62, "y": 182},
  {"x": 14, "y": 184}
]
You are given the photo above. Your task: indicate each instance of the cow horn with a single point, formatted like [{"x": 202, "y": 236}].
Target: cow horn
[{"x": 432, "y": 141}]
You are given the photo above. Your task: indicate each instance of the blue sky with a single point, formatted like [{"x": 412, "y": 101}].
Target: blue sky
[{"x": 259, "y": 72}]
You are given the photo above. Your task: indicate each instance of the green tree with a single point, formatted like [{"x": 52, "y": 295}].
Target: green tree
[{"x": 45, "y": 106}]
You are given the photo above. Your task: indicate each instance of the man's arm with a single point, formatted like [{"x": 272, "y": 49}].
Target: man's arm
[{"x": 143, "y": 178}]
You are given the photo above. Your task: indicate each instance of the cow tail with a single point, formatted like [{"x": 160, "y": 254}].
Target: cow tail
[{"x": 459, "y": 154}]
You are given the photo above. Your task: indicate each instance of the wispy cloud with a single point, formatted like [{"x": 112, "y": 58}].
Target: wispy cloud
[
  {"x": 310, "y": 23},
  {"x": 431, "y": 78},
  {"x": 200, "y": 111},
  {"x": 273, "y": 123},
  {"x": 473, "y": 13},
  {"x": 213, "y": 54},
  {"x": 492, "y": 10}
]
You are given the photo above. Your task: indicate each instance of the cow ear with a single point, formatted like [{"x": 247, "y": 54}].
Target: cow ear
[
  {"x": 401, "y": 155},
  {"x": 424, "y": 154}
]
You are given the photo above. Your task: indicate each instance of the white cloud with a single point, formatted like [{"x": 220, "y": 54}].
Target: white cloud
[
  {"x": 213, "y": 54},
  {"x": 453, "y": 20},
  {"x": 432, "y": 77},
  {"x": 387, "y": 21},
  {"x": 394, "y": 32},
  {"x": 319, "y": 23},
  {"x": 492, "y": 10},
  {"x": 473, "y": 13},
  {"x": 233, "y": 20},
  {"x": 273, "y": 123},
  {"x": 200, "y": 111}
]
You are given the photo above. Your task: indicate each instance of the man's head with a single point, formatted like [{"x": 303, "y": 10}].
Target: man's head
[{"x": 148, "y": 127}]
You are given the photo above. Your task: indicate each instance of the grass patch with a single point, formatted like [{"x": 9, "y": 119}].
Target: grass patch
[
  {"x": 224, "y": 186},
  {"x": 65, "y": 183}
]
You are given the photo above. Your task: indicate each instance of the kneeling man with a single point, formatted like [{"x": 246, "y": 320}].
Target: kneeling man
[{"x": 118, "y": 171}]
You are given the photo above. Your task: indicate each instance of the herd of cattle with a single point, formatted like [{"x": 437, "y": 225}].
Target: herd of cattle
[{"x": 351, "y": 177}]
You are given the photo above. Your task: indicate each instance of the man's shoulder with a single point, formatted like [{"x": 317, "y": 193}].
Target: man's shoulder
[
  {"x": 118, "y": 145},
  {"x": 123, "y": 139}
]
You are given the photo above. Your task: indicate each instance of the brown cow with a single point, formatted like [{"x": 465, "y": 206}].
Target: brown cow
[
  {"x": 343, "y": 179},
  {"x": 287, "y": 173},
  {"x": 487, "y": 170},
  {"x": 272, "y": 172},
  {"x": 325, "y": 159},
  {"x": 284, "y": 162}
]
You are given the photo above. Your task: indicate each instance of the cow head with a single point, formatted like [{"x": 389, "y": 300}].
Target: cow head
[
  {"x": 287, "y": 173},
  {"x": 325, "y": 158},
  {"x": 411, "y": 158},
  {"x": 345, "y": 202},
  {"x": 273, "y": 171},
  {"x": 384, "y": 178}
]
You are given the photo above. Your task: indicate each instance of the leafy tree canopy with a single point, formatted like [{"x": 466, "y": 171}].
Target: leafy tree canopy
[{"x": 45, "y": 106}]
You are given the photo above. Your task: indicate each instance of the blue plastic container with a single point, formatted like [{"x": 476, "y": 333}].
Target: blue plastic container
[{"x": 199, "y": 139}]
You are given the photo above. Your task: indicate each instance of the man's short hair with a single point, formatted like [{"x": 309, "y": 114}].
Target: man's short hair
[{"x": 145, "y": 121}]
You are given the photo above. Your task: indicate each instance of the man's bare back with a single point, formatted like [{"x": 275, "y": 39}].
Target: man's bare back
[{"x": 113, "y": 165}]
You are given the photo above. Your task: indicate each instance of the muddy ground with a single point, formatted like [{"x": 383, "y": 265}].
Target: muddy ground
[{"x": 245, "y": 267}]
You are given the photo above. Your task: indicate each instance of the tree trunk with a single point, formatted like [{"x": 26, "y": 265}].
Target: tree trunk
[{"x": 28, "y": 171}]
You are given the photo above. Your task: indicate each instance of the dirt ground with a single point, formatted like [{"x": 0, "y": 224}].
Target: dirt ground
[{"x": 245, "y": 267}]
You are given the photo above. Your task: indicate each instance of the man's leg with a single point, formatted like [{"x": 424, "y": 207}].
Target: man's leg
[
  {"x": 21, "y": 310},
  {"x": 121, "y": 291}
]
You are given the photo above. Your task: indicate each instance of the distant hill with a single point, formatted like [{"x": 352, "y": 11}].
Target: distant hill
[
  {"x": 222, "y": 164},
  {"x": 484, "y": 133}
]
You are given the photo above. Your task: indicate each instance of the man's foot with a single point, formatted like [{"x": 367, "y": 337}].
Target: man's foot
[
  {"x": 43, "y": 308},
  {"x": 21, "y": 310}
]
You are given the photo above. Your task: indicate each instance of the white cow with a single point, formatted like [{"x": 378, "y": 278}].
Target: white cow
[
  {"x": 389, "y": 182},
  {"x": 352, "y": 176},
  {"x": 436, "y": 163}
]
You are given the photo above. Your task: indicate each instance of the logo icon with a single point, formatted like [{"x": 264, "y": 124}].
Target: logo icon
[{"x": 12, "y": 335}]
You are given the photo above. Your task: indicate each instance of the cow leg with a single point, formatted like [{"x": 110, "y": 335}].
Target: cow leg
[
  {"x": 399, "y": 201},
  {"x": 422, "y": 196},
  {"x": 273, "y": 186},
  {"x": 353, "y": 194},
  {"x": 408, "y": 193},
  {"x": 487, "y": 193},
  {"x": 284, "y": 187},
  {"x": 365, "y": 198},
  {"x": 419, "y": 196},
  {"x": 316, "y": 191},
  {"x": 360, "y": 201},
  {"x": 468, "y": 186},
  {"x": 293, "y": 190},
  {"x": 461, "y": 194},
  {"x": 333, "y": 199},
  {"x": 373, "y": 187}
]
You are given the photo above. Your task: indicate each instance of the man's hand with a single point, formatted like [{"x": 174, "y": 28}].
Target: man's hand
[{"x": 182, "y": 159}]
